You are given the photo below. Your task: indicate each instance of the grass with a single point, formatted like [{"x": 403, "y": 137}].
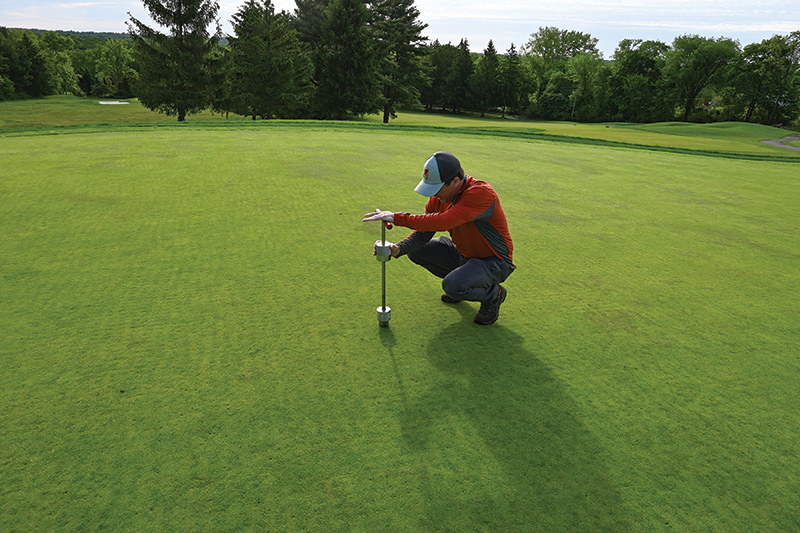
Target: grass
[
  {"x": 190, "y": 340},
  {"x": 729, "y": 140}
]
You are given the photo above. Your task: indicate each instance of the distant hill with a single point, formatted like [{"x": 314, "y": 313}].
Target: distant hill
[
  {"x": 91, "y": 34},
  {"x": 99, "y": 35}
]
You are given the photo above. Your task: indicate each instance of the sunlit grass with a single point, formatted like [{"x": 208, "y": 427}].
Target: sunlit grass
[{"x": 190, "y": 342}]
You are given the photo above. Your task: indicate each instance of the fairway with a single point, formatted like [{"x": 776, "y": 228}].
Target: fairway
[{"x": 189, "y": 337}]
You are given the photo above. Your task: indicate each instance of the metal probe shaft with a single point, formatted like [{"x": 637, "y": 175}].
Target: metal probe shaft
[{"x": 383, "y": 269}]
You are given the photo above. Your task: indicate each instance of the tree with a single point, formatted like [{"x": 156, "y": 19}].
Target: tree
[
  {"x": 439, "y": 59},
  {"x": 269, "y": 71},
  {"x": 24, "y": 65},
  {"x": 583, "y": 69},
  {"x": 64, "y": 80},
  {"x": 636, "y": 84},
  {"x": 57, "y": 48},
  {"x": 179, "y": 71},
  {"x": 308, "y": 20},
  {"x": 457, "y": 88},
  {"x": 399, "y": 41},
  {"x": 113, "y": 66},
  {"x": 789, "y": 86},
  {"x": 486, "y": 80},
  {"x": 511, "y": 80},
  {"x": 346, "y": 69},
  {"x": 696, "y": 62},
  {"x": 549, "y": 48}
]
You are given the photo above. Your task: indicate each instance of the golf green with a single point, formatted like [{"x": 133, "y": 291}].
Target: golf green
[{"x": 189, "y": 338}]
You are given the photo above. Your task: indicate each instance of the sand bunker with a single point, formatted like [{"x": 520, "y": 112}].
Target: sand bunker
[{"x": 115, "y": 102}]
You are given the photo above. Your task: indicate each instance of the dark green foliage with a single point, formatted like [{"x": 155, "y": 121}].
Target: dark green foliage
[
  {"x": 584, "y": 70},
  {"x": 399, "y": 46},
  {"x": 486, "y": 79},
  {"x": 766, "y": 79},
  {"x": 370, "y": 57},
  {"x": 114, "y": 71},
  {"x": 346, "y": 65},
  {"x": 269, "y": 71},
  {"x": 308, "y": 21},
  {"x": 511, "y": 80},
  {"x": 439, "y": 61},
  {"x": 24, "y": 66},
  {"x": 549, "y": 49},
  {"x": 636, "y": 85},
  {"x": 179, "y": 69},
  {"x": 457, "y": 87},
  {"x": 694, "y": 63}
]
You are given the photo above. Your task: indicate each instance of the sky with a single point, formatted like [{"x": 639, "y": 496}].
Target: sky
[{"x": 505, "y": 22}]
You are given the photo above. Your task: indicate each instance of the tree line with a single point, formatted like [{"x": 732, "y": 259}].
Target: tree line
[{"x": 337, "y": 59}]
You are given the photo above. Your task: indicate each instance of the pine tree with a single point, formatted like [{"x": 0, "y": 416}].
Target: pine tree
[
  {"x": 308, "y": 20},
  {"x": 399, "y": 41},
  {"x": 458, "y": 79},
  {"x": 439, "y": 60},
  {"x": 486, "y": 81},
  {"x": 510, "y": 80},
  {"x": 270, "y": 73},
  {"x": 179, "y": 71},
  {"x": 345, "y": 66},
  {"x": 32, "y": 78}
]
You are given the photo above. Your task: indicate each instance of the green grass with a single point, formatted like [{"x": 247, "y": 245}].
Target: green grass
[
  {"x": 59, "y": 111},
  {"x": 729, "y": 140},
  {"x": 190, "y": 339}
]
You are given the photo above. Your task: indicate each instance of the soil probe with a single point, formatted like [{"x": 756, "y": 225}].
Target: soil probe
[{"x": 383, "y": 252}]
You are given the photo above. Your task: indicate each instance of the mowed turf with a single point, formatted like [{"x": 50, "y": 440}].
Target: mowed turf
[{"x": 190, "y": 342}]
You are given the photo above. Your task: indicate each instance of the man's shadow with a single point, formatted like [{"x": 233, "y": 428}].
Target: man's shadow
[{"x": 526, "y": 428}]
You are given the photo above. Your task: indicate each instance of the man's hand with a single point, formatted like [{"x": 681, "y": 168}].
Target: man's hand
[
  {"x": 395, "y": 248},
  {"x": 386, "y": 216}
]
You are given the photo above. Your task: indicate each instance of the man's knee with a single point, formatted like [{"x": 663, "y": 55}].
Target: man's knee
[{"x": 455, "y": 286}]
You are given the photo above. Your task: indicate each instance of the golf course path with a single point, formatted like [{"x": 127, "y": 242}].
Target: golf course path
[{"x": 779, "y": 142}]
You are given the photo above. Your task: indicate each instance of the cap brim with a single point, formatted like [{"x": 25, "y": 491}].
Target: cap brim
[{"x": 428, "y": 189}]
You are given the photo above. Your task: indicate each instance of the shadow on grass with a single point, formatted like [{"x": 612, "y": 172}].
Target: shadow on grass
[{"x": 499, "y": 441}]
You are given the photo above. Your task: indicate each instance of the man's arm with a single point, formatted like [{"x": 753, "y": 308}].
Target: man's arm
[
  {"x": 470, "y": 207},
  {"x": 413, "y": 242}
]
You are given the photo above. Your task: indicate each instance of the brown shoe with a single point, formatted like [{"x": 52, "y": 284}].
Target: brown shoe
[
  {"x": 446, "y": 299},
  {"x": 490, "y": 309}
]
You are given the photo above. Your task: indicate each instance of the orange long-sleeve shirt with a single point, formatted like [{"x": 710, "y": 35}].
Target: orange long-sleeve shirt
[{"x": 475, "y": 220}]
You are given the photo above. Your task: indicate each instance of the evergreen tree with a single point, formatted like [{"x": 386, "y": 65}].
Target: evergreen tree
[
  {"x": 7, "y": 53},
  {"x": 308, "y": 20},
  {"x": 346, "y": 69},
  {"x": 25, "y": 66},
  {"x": 486, "y": 81},
  {"x": 399, "y": 42},
  {"x": 511, "y": 80},
  {"x": 439, "y": 60},
  {"x": 458, "y": 79},
  {"x": 269, "y": 72},
  {"x": 180, "y": 71}
]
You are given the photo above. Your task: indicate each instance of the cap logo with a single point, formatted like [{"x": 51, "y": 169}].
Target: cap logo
[{"x": 427, "y": 171}]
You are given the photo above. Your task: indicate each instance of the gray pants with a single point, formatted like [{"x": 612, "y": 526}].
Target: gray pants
[{"x": 473, "y": 279}]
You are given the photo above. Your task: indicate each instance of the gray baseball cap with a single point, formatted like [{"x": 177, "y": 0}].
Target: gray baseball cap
[{"x": 439, "y": 168}]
